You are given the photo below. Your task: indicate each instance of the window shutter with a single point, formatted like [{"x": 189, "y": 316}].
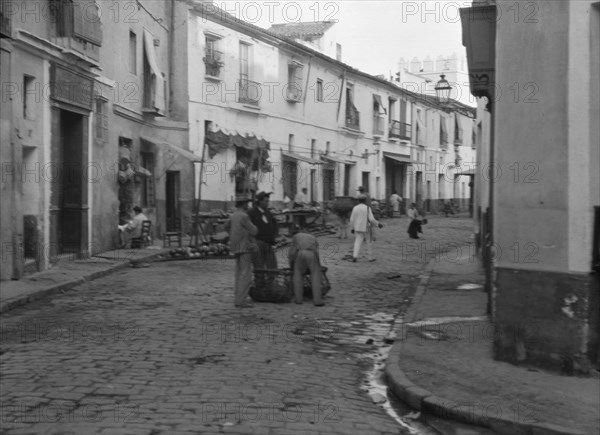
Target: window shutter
[
  {"x": 86, "y": 21},
  {"x": 157, "y": 85}
]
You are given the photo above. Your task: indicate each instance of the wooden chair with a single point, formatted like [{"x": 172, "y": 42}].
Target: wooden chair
[
  {"x": 144, "y": 239},
  {"x": 175, "y": 235}
]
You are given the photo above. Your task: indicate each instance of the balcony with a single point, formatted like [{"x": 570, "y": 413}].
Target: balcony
[
  {"x": 352, "y": 118},
  {"x": 213, "y": 63},
  {"x": 250, "y": 92},
  {"x": 79, "y": 29},
  {"x": 378, "y": 125},
  {"x": 5, "y": 12},
  {"x": 400, "y": 130},
  {"x": 80, "y": 46}
]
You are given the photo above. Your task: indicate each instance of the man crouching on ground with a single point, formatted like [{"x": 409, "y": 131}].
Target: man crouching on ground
[{"x": 304, "y": 255}]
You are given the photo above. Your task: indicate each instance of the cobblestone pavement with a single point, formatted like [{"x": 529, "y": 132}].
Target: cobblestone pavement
[{"x": 162, "y": 350}]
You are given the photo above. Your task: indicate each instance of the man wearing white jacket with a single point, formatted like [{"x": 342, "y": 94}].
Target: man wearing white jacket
[{"x": 360, "y": 219}]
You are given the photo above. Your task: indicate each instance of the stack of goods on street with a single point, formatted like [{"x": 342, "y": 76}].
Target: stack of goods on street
[
  {"x": 343, "y": 205},
  {"x": 209, "y": 250},
  {"x": 277, "y": 285}
]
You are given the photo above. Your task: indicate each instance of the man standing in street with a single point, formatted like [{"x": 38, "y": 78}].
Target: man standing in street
[
  {"x": 267, "y": 233},
  {"x": 241, "y": 240},
  {"x": 360, "y": 221},
  {"x": 395, "y": 201},
  {"x": 303, "y": 255}
]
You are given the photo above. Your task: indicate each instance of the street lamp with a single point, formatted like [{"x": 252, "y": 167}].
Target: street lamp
[{"x": 442, "y": 90}]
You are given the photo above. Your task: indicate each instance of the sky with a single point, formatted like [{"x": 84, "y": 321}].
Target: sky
[{"x": 374, "y": 34}]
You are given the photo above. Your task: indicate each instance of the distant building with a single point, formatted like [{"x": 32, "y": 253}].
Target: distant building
[
  {"x": 422, "y": 75},
  {"x": 277, "y": 113},
  {"x": 318, "y": 35}
]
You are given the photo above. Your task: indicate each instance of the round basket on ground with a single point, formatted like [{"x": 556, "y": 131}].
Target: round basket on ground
[{"x": 272, "y": 285}]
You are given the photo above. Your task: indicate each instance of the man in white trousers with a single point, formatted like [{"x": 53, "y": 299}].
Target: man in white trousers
[{"x": 360, "y": 219}]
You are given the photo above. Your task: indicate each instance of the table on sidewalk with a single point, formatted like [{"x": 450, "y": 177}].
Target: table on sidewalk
[{"x": 300, "y": 216}]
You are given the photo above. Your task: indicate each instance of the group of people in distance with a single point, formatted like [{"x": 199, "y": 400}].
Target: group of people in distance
[{"x": 253, "y": 234}]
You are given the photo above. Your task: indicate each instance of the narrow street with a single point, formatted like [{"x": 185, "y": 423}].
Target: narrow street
[{"x": 162, "y": 350}]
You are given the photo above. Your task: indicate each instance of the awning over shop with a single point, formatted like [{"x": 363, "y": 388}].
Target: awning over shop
[
  {"x": 332, "y": 159},
  {"x": 218, "y": 141},
  {"x": 469, "y": 172},
  {"x": 167, "y": 146},
  {"x": 294, "y": 156},
  {"x": 401, "y": 158}
]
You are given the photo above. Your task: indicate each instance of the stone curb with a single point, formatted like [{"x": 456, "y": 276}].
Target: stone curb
[
  {"x": 424, "y": 401},
  {"x": 18, "y": 301}
]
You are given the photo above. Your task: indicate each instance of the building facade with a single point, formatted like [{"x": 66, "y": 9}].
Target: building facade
[
  {"x": 86, "y": 127},
  {"x": 543, "y": 187},
  {"x": 279, "y": 116}
]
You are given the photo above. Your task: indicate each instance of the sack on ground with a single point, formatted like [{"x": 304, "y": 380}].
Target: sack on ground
[{"x": 325, "y": 284}]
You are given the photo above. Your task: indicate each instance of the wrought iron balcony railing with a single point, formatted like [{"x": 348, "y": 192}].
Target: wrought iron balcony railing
[
  {"x": 401, "y": 130},
  {"x": 352, "y": 118},
  {"x": 250, "y": 92}
]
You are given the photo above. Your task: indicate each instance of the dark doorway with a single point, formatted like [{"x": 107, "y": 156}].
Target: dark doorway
[
  {"x": 172, "y": 200},
  {"x": 328, "y": 184},
  {"x": 68, "y": 199},
  {"x": 347, "y": 169},
  {"x": 365, "y": 180},
  {"x": 419, "y": 189},
  {"x": 290, "y": 178}
]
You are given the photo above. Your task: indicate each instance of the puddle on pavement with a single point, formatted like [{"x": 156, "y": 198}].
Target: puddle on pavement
[
  {"x": 376, "y": 387},
  {"x": 469, "y": 286},
  {"x": 440, "y": 320}
]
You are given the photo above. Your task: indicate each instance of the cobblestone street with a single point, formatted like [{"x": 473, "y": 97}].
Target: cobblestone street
[{"x": 162, "y": 350}]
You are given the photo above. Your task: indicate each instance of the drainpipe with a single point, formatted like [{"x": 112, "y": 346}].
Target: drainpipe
[{"x": 171, "y": 56}]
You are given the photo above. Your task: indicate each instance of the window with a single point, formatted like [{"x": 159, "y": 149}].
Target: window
[
  {"x": 29, "y": 97},
  {"x": 101, "y": 121},
  {"x": 391, "y": 108},
  {"x": 5, "y": 18},
  {"x": 79, "y": 19},
  {"x": 132, "y": 53},
  {"x": 443, "y": 132},
  {"x": 295, "y": 79},
  {"x": 378, "y": 115},
  {"x": 213, "y": 57},
  {"x": 328, "y": 148},
  {"x": 291, "y": 143},
  {"x": 313, "y": 148},
  {"x": 249, "y": 91},
  {"x": 319, "y": 90},
  {"x": 352, "y": 114},
  {"x": 147, "y": 183},
  {"x": 458, "y": 131}
]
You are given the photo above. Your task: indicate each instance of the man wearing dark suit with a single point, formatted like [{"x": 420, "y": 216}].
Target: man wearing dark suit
[{"x": 267, "y": 232}]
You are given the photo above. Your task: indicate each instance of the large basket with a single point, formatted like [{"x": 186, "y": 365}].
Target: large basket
[
  {"x": 343, "y": 204},
  {"x": 277, "y": 285},
  {"x": 272, "y": 285}
]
